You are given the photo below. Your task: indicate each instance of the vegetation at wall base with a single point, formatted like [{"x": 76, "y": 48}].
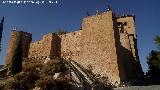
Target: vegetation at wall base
[
  {"x": 153, "y": 61},
  {"x": 42, "y": 76}
]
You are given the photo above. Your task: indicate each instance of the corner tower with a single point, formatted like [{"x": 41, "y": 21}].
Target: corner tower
[
  {"x": 18, "y": 45},
  {"x": 126, "y": 23},
  {"x": 98, "y": 46},
  {"x": 128, "y": 43}
]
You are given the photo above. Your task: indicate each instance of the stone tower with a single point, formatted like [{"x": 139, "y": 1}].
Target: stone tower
[
  {"x": 128, "y": 47},
  {"x": 19, "y": 40}
]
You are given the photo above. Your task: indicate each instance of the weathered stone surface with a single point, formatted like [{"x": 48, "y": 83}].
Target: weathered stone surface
[
  {"x": 14, "y": 41},
  {"x": 70, "y": 45},
  {"x": 48, "y": 46},
  {"x": 107, "y": 43}
]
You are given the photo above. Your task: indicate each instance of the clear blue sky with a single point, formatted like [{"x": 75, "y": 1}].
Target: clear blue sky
[{"x": 68, "y": 14}]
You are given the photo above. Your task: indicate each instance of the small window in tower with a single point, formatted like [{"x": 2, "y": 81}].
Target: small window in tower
[
  {"x": 74, "y": 33},
  {"x": 119, "y": 23},
  {"x": 125, "y": 24}
]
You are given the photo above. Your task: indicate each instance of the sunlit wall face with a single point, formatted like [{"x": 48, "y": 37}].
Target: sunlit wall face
[{"x": 45, "y": 17}]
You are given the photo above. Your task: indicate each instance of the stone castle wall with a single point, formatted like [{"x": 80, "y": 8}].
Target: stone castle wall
[
  {"x": 70, "y": 45},
  {"x": 41, "y": 47},
  {"x": 129, "y": 47},
  {"x": 106, "y": 43},
  {"x": 47, "y": 46},
  {"x": 130, "y": 29},
  {"x": 93, "y": 45},
  {"x": 98, "y": 45}
]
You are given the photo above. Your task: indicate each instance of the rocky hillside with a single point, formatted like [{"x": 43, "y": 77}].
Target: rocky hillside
[{"x": 54, "y": 74}]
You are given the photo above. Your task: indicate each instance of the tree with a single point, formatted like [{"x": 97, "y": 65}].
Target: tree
[
  {"x": 153, "y": 61},
  {"x": 1, "y": 29},
  {"x": 157, "y": 41}
]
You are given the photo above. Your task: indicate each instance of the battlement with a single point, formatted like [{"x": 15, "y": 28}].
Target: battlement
[
  {"x": 16, "y": 31},
  {"x": 98, "y": 14}
]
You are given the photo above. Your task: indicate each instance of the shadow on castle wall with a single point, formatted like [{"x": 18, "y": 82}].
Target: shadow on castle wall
[{"x": 129, "y": 66}]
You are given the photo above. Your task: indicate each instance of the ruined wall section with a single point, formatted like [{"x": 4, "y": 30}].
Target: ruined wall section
[
  {"x": 15, "y": 38},
  {"x": 70, "y": 45},
  {"x": 47, "y": 46},
  {"x": 98, "y": 47}
]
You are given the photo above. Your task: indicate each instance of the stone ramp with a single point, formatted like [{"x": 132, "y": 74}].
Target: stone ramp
[
  {"x": 75, "y": 74},
  {"x": 83, "y": 72},
  {"x": 84, "y": 79},
  {"x": 89, "y": 75}
]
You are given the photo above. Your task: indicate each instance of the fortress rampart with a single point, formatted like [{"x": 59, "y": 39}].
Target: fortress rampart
[
  {"x": 47, "y": 46},
  {"x": 106, "y": 42},
  {"x": 70, "y": 45}
]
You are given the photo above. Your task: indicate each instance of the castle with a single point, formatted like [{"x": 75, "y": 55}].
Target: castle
[{"x": 106, "y": 42}]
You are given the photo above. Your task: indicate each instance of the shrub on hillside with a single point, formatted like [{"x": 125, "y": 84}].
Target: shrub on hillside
[
  {"x": 12, "y": 84},
  {"x": 31, "y": 67},
  {"x": 46, "y": 83},
  {"x": 62, "y": 83},
  {"x": 22, "y": 81},
  {"x": 53, "y": 66},
  {"x": 2, "y": 86},
  {"x": 103, "y": 83}
]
